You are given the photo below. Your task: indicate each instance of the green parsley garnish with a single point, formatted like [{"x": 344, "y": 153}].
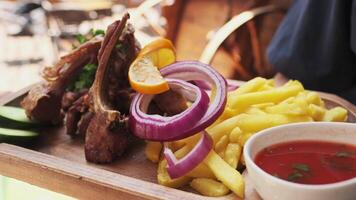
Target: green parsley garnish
[
  {"x": 96, "y": 32},
  {"x": 301, "y": 167},
  {"x": 294, "y": 176},
  {"x": 119, "y": 46},
  {"x": 81, "y": 38},
  {"x": 85, "y": 78},
  {"x": 84, "y": 38}
]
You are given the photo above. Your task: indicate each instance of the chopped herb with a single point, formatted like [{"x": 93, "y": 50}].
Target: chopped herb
[
  {"x": 301, "y": 167},
  {"x": 84, "y": 38},
  {"x": 81, "y": 38},
  {"x": 294, "y": 176},
  {"x": 343, "y": 154},
  {"x": 96, "y": 32},
  {"x": 85, "y": 78},
  {"x": 333, "y": 163},
  {"x": 119, "y": 46}
]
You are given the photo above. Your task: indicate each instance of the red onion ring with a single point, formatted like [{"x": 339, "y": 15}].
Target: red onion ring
[
  {"x": 177, "y": 168},
  {"x": 197, "y": 71},
  {"x": 203, "y": 85},
  {"x": 160, "y": 128},
  {"x": 189, "y": 122}
]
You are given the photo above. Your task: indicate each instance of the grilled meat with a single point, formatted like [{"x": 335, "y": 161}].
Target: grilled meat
[
  {"x": 43, "y": 102},
  {"x": 100, "y": 113},
  {"x": 108, "y": 135}
]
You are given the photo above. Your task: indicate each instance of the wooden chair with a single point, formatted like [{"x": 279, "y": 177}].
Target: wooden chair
[
  {"x": 238, "y": 34},
  {"x": 246, "y": 39}
]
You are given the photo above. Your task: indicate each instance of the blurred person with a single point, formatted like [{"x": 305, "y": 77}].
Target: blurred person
[{"x": 316, "y": 44}]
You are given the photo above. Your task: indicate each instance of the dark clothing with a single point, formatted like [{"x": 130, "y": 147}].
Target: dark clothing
[{"x": 316, "y": 44}]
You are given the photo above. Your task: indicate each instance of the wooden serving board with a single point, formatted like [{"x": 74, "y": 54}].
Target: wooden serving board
[{"x": 56, "y": 162}]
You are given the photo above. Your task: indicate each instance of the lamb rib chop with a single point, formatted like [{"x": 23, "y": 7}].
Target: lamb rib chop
[
  {"x": 101, "y": 114},
  {"x": 108, "y": 135},
  {"x": 43, "y": 102}
]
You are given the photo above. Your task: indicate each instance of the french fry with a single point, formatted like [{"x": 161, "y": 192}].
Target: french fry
[
  {"x": 271, "y": 82},
  {"x": 220, "y": 146},
  {"x": 244, "y": 137},
  {"x": 288, "y": 109},
  {"x": 253, "y": 123},
  {"x": 229, "y": 176},
  {"x": 301, "y": 102},
  {"x": 314, "y": 98},
  {"x": 254, "y": 110},
  {"x": 251, "y": 86},
  {"x": 180, "y": 153},
  {"x": 262, "y": 105},
  {"x": 228, "y": 112},
  {"x": 241, "y": 102},
  {"x": 232, "y": 154},
  {"x": 291, "y": 83},
  {"x": 209, "y": 187},
  {"x": 192, "y": 140},
  {"x": 175, "y": 145},
  {"x": 235, "y": 135},
  {"x": 153, "y": 151},
  {"x": 163, "y": 177},
  {"x": 316, "y": 112},
  {"x": 288, "y": 100},
  {"x": 265, "y": 87},
  {"x": 220, "y": 119},
  {"x": 201, "y": 171},
  {"x": 223, "y": 128},
  {"x": 336, "y": 114},
  {"x": 295, "y": 119},
  {"x": 255, "y": 106},
  {"x": 258, "y": 122}
]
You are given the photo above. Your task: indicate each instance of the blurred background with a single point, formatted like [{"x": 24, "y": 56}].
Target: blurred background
[
  {"x": 35, "y": 33},
  {"x": 231, "y": 35}
]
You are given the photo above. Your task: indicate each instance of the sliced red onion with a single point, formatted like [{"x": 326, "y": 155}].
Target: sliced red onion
[
  {"x": 177, "y": 168},
  {"x": 231, "y": 86},
  {"x": 197, "y": 71},
  {"x": 202, "y": 84},
  {"x": 160, "y": 128},
  {"x": 192, "y": 120}
]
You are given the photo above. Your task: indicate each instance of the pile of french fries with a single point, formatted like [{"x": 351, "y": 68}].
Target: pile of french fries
[{"x": 256, "y": 105}]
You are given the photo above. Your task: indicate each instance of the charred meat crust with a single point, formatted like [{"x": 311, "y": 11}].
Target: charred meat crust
[
  {"x": 43, "y": 102},
  {"x": 75, "y": 114},
  {"x": 108, "y": 135},
  {"x": 100, "y": 114}
]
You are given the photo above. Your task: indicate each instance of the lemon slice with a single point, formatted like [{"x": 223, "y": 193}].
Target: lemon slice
[
  {"x": 144, "y": 75},
  {"x": 161, "y": 51},
  {"x": 145, "y": 78}
]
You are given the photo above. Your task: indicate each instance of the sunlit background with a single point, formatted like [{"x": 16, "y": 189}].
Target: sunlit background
[{"x": 35, "y": 34}]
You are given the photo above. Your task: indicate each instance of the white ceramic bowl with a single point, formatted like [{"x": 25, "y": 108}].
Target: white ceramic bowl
[{"x": 272, "y": 188}]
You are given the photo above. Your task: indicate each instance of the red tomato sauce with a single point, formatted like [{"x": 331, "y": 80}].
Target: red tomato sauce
[{"x": 309, "y": 162}]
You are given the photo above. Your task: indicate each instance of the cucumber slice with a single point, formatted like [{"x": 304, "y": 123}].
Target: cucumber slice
[
  {"x": 15, "y": 136},
  {"x": 6, "y": 132},
  {"x": 14, "y": 117}
]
